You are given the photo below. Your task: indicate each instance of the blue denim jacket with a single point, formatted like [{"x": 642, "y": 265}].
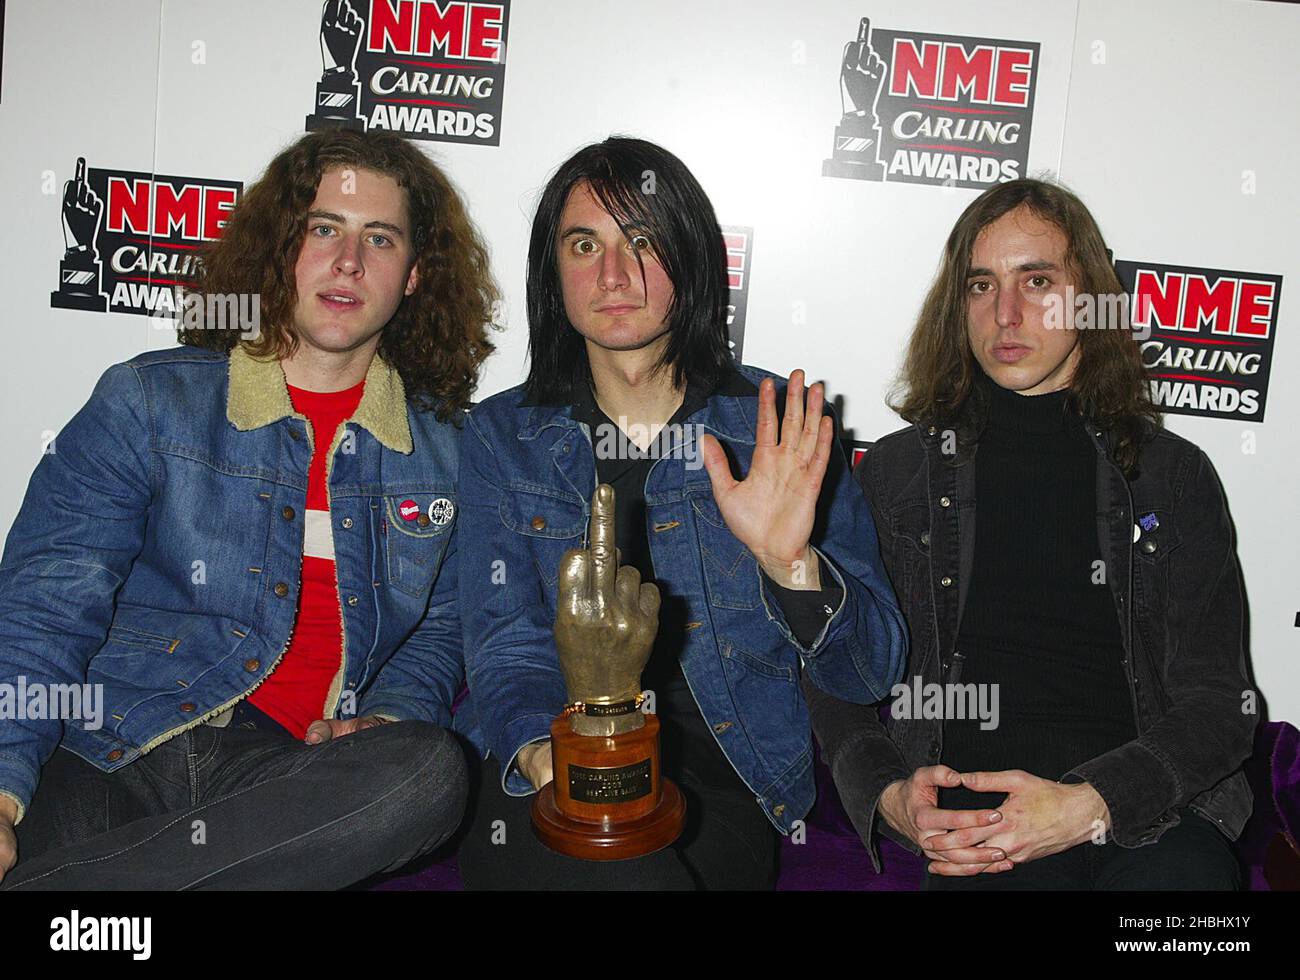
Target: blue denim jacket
[
  {"x": 158, "y": 552},
  {"x": 527, "y": 476}
]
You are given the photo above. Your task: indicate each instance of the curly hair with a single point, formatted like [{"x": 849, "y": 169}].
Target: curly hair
[
  {"x": 438, "y": 338},
  {"x": 937, "y": 383}
]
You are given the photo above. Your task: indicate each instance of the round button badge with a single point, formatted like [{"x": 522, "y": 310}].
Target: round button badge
[
  {"x": 409, "y": 510},
  {"x": 441, "y": 511}
]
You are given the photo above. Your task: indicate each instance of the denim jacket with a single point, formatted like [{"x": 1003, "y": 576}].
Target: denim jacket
[
  {"x": 1177, "y": 595},
  {"x": 159, "y": 548},
  {"x": 527, "y": 476}
]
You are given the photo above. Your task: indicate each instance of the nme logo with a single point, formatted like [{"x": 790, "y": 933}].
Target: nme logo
[
  {"x": 131, "y": 238},
  {"x": 739, "y": 242},
  {"x": 934, "y": 108},
  {"x": 470, "y": 31},
  {"x": 1208, "y": 336},
  {"x": 428, "y": 69},
  {"x": 189, "y": 212},
  {"x": 947, "y": 71},
  {"x": 1230, "y": 305}
]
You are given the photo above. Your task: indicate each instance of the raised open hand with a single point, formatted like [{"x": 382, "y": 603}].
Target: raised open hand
[{"x": 771, "y": 511}]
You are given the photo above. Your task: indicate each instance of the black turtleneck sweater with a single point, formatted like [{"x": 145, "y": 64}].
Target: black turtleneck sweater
[{"x": 1039, "y": 620}]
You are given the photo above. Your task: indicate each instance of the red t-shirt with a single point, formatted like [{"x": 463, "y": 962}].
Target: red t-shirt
[{"x": 295, "y": 692}]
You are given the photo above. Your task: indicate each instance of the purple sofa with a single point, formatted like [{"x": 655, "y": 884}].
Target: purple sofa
[{"x": 832, "y": 858}]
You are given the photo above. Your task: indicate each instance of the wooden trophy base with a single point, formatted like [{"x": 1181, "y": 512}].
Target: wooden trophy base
[{"x": 608, "y": 801}]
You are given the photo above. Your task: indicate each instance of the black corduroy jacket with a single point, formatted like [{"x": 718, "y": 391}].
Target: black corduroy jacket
[{"x": 1178, "y": 598}]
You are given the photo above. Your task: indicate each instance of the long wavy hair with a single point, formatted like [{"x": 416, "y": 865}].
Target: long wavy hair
[
  {"x": 437, "y": 339},
  {"x": 677, "y": 216},
  {"x": 1109, "y": 388}
]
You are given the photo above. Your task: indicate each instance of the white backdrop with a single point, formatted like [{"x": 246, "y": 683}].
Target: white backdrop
[{"x": 1173, "y": 119}]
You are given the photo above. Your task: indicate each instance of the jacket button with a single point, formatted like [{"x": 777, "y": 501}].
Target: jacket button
[
  {"x": 946, "y": 581},
  {"x": 945, "y": 502},
  {"x": 778, "y": 809},
  {"x": 538, "y": 523},
  {"x": 114, "y": 755},
  {"x": 281, "y": 589},
  {"x": 347, "y": 522},
  {"x": 287, "y": 513},
  {"x": 422, "y": 520},
  {"x": 925, "y": 538},
  {"x": 1149, "y": 546},
  {"x": 295, "y": 435},
  {"x": 188, "y": 706},
  {"x": 352, "y": 600},
  {"x": 252, "y": 666},
  {"x": 721, "y": 726}
]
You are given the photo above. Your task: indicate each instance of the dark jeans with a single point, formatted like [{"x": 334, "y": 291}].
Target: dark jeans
[
  {"x": 243, "y": 808},
  {"x": 728, "y": 843},
  {"x": 1194, "y": 856}
]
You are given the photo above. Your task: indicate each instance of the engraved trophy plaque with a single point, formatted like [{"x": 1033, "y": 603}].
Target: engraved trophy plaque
[{"x": 609, "y": 800}]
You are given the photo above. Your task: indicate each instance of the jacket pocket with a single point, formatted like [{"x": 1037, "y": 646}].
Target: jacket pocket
[
  {"x": 139, "y": 643},
  {"x": 908, "y": 563},
  {"x": 548, "y": 525},
  {"x": 418, "y": 527},
  {"x": 730, "y": 569},
  {"x": 769, "y": 707},
  {"x": 127, "y": 636},
  {"x": 1158, "y": 540},
  {"x": 757, "y": 665}
]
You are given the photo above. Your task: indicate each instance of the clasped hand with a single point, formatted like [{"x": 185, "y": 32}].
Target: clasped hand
[{"x": 1037, "y": 818}]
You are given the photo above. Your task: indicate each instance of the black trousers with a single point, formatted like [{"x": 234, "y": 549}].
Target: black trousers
[
  {"x": 728, "y": 843},
  {"x": 243, "y": 807},
  {"x": 1194, "y": 856}
]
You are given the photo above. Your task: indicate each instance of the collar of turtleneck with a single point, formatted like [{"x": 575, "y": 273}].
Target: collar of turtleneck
[{"x": 1012, "y": 412}]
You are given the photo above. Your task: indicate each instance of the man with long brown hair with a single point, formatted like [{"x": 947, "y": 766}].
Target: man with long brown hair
[
  {"x": 245, "y": 547},
  {"x": 1074, "y": 711}
]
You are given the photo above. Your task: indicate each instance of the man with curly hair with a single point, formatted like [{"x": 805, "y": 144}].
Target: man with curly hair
[{"x": 242, "y": 551}]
